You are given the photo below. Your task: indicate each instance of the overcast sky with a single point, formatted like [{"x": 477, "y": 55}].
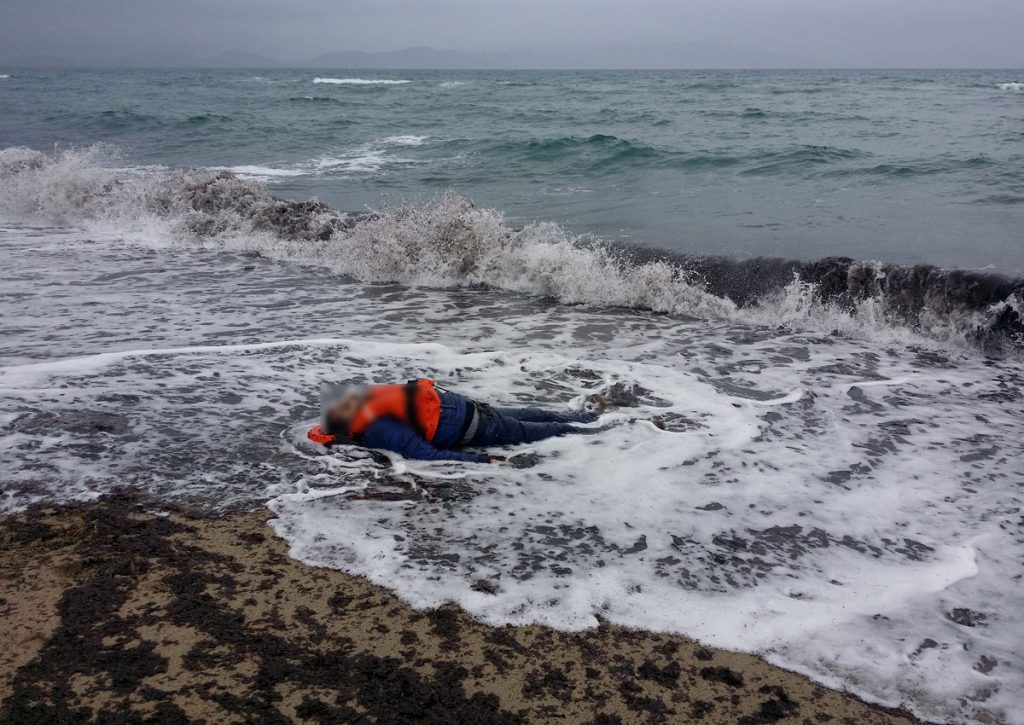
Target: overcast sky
[{"x": 864, "y": 33}]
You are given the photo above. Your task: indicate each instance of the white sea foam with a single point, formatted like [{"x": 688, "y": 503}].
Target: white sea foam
[
  {"x": 864, "y": 569},
  {"x": 888, "y": 566},
  {"x": 1011, "y": 86},
  {"x": 368, "y": 159},
  {"x": 406, "y": 140},
  {"x": 271, "y": 81},
  {"x": 362, "y": 81},
  {"x": 451, "y": 84},
  {"x": 4, "y": 75},
  {"x": 252, "y": 171}
]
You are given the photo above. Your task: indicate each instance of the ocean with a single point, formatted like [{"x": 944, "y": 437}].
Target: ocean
[{"x": 813, "y": 277}]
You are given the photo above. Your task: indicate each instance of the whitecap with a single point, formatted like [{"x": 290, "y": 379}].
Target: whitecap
[
  {"x": 361, "y": 81},
  {"x": 366, "y": 161},
  {"x": 361, "y": 160},
  {"x": 254, "y": 171},
  {"x": 1011, "y": 86},
  {"x": 409, "y": 140}
]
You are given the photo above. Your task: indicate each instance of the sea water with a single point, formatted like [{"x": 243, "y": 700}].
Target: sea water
[
  {"x": 897, "y": 166},
  {"x": 838, "y": 483}
]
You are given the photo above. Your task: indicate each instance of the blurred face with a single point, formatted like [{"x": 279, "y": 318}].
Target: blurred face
[{"x": 342, "y": 412}]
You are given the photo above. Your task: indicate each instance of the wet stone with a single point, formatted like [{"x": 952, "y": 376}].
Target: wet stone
[{"x": 967, "y": 617}]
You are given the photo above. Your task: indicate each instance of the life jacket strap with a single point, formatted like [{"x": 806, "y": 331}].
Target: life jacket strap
[
  {"x": 411, "y": 391},
  {"x": 472, "y": 424}
]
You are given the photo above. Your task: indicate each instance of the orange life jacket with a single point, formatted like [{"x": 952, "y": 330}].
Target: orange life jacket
[{"x": 415, "y": 403}]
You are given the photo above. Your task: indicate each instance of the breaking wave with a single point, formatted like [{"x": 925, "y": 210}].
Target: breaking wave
[
  {"x": 451, "y": 242},
  {"x": 1011, "y": 86},
  {"x": 361, "y": 81}
]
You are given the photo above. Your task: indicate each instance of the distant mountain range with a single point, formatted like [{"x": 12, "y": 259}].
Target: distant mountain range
[{"x": 658, "y": 56}]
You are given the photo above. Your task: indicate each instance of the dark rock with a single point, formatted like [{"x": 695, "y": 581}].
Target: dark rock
[{"x": 723, "y": 675}]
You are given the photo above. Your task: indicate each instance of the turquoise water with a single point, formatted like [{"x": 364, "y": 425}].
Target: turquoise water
[{"x": 898, "y": 166}]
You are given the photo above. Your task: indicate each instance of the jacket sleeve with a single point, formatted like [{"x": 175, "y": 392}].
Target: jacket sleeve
[{"x": 393, "y": 435}]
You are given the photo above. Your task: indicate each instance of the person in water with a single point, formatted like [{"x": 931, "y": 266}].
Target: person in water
[{"x": 421, "y": 420}]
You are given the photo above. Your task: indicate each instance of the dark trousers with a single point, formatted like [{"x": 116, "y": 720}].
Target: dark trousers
[{"x": 509, "y": 426}]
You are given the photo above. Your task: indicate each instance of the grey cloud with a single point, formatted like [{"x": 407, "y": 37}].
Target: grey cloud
[{"x": 582, "y": 33}]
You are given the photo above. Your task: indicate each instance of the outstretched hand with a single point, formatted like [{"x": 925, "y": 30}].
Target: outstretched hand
[{"x": 519, "y": 460}]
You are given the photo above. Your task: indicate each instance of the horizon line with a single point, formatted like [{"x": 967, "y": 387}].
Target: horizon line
[{"x": 288, "y": 66}]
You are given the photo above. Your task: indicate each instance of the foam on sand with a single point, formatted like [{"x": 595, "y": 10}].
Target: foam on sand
[
  {"x": 458, "y": 670},
  {"x": 865, "y": 568},
  {"x": 888, "y": 566}
]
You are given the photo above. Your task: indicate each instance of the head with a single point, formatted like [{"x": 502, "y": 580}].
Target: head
[{"x": 339, "y": 415}]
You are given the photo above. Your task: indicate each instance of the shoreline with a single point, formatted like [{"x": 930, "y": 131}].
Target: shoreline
[{"x": 115, "y": 613}]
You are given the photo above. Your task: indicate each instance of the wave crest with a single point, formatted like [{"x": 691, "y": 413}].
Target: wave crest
[{"x": 451, "y": 242}]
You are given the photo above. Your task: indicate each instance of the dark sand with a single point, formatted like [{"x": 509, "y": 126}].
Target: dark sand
[{"x": 115, "y": 615}]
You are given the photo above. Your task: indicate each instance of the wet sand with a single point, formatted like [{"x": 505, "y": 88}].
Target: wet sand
[{"x": 110, "y": 613}]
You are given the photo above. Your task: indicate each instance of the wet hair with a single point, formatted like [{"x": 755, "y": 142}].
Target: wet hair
[
  {"x": 331, "y": 395},
  {"x": 326, "y": 424}
]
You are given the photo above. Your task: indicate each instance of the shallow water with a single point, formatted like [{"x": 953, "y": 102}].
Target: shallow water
[{"x": 850, "y": 508}]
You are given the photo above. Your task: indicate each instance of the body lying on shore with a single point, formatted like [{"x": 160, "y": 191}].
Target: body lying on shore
[{"x": 423, "y": 421}]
